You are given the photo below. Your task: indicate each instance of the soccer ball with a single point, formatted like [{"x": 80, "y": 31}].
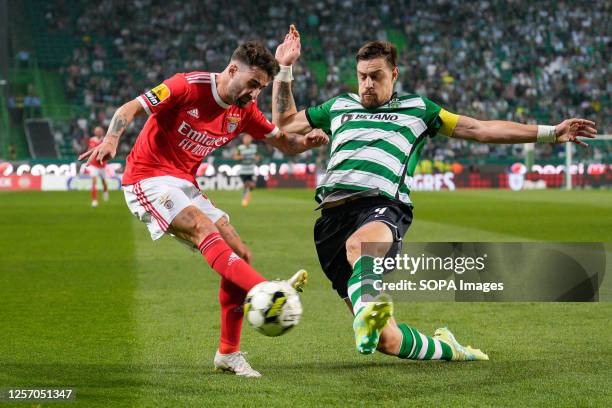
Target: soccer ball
[{"x": 273, "y": 307}]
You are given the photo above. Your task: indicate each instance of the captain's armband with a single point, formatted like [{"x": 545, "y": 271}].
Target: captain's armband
[{"x": 449, "y": 122}]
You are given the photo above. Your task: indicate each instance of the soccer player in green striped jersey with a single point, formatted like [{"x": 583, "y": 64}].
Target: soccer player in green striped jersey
[
  {"x": 246, "y": 153},
  {"x": 376, "y": 139}
]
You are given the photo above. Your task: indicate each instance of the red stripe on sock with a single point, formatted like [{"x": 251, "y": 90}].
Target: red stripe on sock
[{"x": 206, "y": 242}]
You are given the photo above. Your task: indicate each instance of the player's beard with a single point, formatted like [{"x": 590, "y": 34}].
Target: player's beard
[
  {"x": 370, "y": 101},
  {"x": 234, "y": 90}
]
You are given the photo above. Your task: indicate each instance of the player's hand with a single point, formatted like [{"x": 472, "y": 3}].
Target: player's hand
[
  {"x": 571, "y": 129},
  {"x": 316, "y": 138},
  {"x": 289, "y": 51},
  {"x": 104, "y": 151}
]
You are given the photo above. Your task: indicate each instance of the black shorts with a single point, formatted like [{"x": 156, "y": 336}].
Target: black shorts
[
  {"x": 247, "y": 177},
  {"x": 336, "y": 225}
]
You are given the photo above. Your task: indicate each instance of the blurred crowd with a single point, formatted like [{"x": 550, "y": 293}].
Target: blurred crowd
[{"x": 529, "y": 61}]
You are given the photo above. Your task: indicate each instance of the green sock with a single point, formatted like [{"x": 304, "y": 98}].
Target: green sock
[
  {"x": 361, "y": 283},
  {"x": 417, "y": 346}
]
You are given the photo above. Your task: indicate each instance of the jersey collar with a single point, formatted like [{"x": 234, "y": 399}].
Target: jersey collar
[{"x": 213, "y": 83}]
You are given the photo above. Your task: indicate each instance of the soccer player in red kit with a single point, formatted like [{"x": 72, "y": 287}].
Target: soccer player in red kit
[
  {"x": 97, "y": 169},
  {"x": 190, "y": 116}
]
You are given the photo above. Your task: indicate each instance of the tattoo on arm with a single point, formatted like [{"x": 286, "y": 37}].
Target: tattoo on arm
[
  {"x": 293, "y": 144},
  {"x": 117, "y": 126},
  {"x": 284, "y": 99}
]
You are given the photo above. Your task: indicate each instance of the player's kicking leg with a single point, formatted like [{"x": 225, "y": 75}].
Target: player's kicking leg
[
  {"x": 192, "y": 225},
  {"x": 175, "y": 206},
  {"x": 374, "y": 326},
  {"x": 237, "y": 278}
]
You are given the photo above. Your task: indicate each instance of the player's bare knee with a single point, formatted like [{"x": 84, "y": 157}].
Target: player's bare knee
[
  {"x": 191, "y": 224},
  {"x": 356, "y": 247},
  {"x": 353, "y": 248}
]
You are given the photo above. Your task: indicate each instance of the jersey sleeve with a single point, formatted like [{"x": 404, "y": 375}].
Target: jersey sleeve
[
  {"x": 439, "y": 120},
  {"x": 319, "y": 116},
  {"x": 172, "y": 93},
  {"x": 258, "y": 126}
]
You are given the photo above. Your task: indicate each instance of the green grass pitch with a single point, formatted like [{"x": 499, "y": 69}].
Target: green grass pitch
[{"x": 88, "y": 301}]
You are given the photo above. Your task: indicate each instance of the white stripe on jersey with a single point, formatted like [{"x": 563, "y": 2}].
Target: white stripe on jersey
[
  {"x": 368, "y": 153},
  {"x": 345, "y": 104},
  {"x": 144, "y": 105},
  {"x": 395, "y": 138},
  {"x": 194, "y": 76},
  {"x": 358, "y": 178}
]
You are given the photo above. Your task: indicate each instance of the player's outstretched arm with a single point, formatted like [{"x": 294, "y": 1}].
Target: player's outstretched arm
[
  {"x": 119, "y": 123},
  {"x": 284, "y": 111},
  {"x": 293, "y": 143},
  {"x": 498, "y": 131}
]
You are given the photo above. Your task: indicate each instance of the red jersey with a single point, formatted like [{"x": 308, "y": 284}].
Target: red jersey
[
  {"x": 188, "y": 121},
  {"x": 91, "y": 143}
]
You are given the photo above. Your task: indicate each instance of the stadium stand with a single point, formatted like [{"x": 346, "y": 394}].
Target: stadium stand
[
  {"x": 540, "y": 62},
  {"x": 40, "y": 139}
]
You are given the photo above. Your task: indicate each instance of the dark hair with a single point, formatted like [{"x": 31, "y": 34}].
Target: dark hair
[
  {"x": 254, "y": 54},
  {"x": 377, "y": 49}
]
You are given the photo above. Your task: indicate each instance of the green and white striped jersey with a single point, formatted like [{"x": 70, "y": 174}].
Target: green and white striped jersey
[
  {"x": 372, "y": 148},
  {"x": 249, "y": 157}
]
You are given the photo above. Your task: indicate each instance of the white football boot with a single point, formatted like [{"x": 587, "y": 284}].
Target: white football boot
[
  {"x": 235, "y": 363},
  {"x": 94, "y": 203},
  {"x": 105, "y": 196}
]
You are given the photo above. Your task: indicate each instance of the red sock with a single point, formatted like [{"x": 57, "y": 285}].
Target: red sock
[
  {"x": 231, "y": 298},
  {"x": 229, "y": 265},
  {"x": 93, "y": 189}
]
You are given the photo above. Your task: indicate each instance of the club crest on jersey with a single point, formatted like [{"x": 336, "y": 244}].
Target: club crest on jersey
[
  {"x": 166, "y": 202},
  {"x": 395, "y": 103},
  {"x": 232, "y": 123},
  {"x": 158, "y": 94}
]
